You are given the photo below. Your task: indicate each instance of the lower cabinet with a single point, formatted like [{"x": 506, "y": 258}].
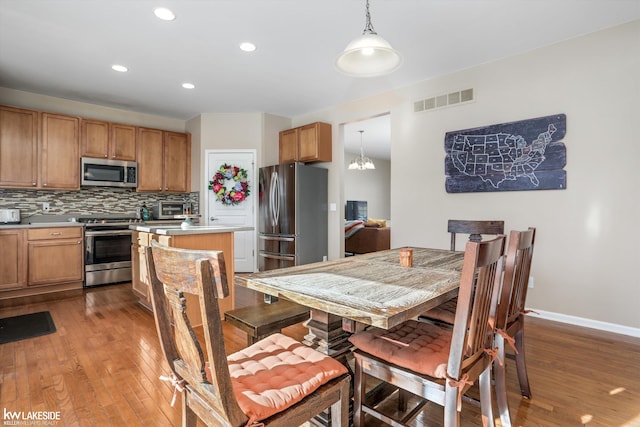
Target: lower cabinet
[
  {"x": 41, "y": 260},
  {"x": 139, "y": 274},
  {"x": 13, "y": 262},
  {"x": 213, "y": 241},
  {"x": 55, "y": 256}
]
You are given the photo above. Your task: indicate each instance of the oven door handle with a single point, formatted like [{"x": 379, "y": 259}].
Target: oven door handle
[{"x": 108, "y": 233}]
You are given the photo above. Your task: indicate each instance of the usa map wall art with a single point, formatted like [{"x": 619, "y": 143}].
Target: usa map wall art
[{"x": 522, "y": 155}]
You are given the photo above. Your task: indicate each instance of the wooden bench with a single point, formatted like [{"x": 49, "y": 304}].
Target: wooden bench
[{"x": 261, "y": 320}]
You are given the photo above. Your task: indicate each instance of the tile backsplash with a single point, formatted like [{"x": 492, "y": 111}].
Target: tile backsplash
[{"x": 88, "y": 201}]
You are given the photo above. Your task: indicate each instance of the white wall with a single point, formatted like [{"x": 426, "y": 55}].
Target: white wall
[
  {"x": 33, "y": 101},
  {"x": 231, "y": 131},
  {"x": 374, "y": 186},
  {"x": 586, "y": 247}
]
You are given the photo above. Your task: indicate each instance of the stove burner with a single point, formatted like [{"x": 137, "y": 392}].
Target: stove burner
[{"x": 109, "y": 220}]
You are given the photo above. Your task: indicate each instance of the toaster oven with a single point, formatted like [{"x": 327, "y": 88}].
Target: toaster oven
[
  {"x": 167, "y": 210},
  {"x": 9, "y": 216}
]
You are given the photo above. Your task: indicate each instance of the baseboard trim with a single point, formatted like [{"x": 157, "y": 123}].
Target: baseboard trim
[{"x": 588, "y": 323}]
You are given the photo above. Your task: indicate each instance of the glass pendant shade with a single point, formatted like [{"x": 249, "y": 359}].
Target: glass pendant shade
[{"x": 368, "y": 55}]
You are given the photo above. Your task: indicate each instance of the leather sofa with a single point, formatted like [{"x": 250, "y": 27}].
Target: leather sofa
[{"x": 368, "y": 239}]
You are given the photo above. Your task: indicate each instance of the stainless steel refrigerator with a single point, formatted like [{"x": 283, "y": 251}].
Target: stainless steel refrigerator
[{"x": 293, "y": 215}]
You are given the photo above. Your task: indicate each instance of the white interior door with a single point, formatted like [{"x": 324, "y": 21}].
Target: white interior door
[{"x": 242, "y": 213}]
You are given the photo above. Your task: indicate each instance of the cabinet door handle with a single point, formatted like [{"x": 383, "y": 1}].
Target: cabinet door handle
[
  {"x": 79, "y": 242},
  {"x": 57, "y": 233}
]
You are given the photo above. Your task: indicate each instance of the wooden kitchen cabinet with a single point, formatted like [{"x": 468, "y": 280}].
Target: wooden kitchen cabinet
[
  {"x": 18, "y": 147},
  {"x": 55, "y": 256},
  {"x": 209, "y": 241},
  {"x": 164, "y": 161},
  {"x": 308, "y": 143},
  {"x": 139, "y": 273},
  {"x": 60, "y": 152},
  {"x": 177, "y": 162},
  {"x": 288, "y": 146},
  {"x": 13, "y": 262},
  {"x": 107, "y": 140}
]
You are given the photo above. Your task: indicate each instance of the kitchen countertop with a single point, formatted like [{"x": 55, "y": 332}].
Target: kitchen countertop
[
  {"x": 177, "y": 230},
  {"x": 70, "y": 220},
  {"x": 41, "y": 225}
]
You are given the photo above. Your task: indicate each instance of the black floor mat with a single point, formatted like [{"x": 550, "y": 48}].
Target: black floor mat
[{"x": 26, "y": 326}]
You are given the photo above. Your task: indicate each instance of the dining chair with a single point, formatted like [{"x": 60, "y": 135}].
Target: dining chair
[
  {"x": 437, "y": 363},
  {"x": 474, "y": 228},
  {"x": 509, "y": 316},
  {"x": 511, "y": 305},
  {"x": 275, "y": 382}
]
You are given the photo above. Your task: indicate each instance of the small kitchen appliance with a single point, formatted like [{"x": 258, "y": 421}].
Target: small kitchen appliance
[
  {"x": 168, "y": 210},
  {"x": 9, "y": 216},
  {"x": 109, "y": 173}
]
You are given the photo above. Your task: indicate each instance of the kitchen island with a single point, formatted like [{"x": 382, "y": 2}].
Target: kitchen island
[{"x": 192, "y": 237}]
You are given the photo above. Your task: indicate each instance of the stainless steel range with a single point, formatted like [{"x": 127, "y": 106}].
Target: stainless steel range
[{"x": 107, "y": 248}]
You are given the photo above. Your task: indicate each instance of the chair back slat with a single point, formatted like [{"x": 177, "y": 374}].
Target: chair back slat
[
  {"x": 477, "y": 300},
  {"x": 474, "y": 228},
  {"x": 516, "y": 277},
  {"x": 174, "y": 273}
]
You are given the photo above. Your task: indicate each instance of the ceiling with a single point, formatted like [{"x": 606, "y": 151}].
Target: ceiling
[{"x": 65, "y": 48}]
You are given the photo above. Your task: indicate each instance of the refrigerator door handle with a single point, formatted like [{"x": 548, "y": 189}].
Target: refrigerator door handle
[
  {"x": 278, "y": 238},
  {"x": 273, "y": 199},
  {"x": 280, "y": 257},
  {"x": 276, "y": 199}
]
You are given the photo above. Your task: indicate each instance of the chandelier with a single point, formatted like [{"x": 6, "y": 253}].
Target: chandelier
[
  {"x": 368, "y": 55},
  {"x": 361, "y": 162}
]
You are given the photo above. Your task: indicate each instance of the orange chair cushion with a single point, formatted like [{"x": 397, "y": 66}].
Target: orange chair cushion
[
  {"x": 277, "y": 372},
  {"x": 421, "y": 347},
  {"x": 445, "y": 312}
]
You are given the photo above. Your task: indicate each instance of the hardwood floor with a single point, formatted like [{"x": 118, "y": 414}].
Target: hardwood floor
[{"x": 101, "y": 368}]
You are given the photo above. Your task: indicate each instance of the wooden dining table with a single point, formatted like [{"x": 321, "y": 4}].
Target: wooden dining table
[{"x": 347, "y": 294}]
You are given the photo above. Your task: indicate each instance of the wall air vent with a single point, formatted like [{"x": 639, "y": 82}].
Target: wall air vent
[{"x": 445, "y": 100}]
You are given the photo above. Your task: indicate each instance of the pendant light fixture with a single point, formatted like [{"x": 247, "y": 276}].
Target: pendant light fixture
[
  {"x": 361, "y": 162},
  {"x": 369, "y": 55}
]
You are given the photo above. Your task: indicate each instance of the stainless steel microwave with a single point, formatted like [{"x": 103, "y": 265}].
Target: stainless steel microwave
[{"x": 109, "y": 173}]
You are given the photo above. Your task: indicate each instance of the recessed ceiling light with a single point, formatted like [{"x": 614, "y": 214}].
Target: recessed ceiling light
[
  {"x": 164, "y": 14},
  {"x": 120, "y": 68},
  {"x": 188, "y": 85},
  {"x": 247, "y": 46}
]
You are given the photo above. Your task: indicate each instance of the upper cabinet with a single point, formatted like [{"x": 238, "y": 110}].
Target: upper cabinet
[
  {"x": 288, "y": 146},
  {"x": 308, "y": 143},
  {"x": 60, "y": 152},
  {"x": 39, "y": 150},
  {"x": 177, "y": 162},
  {"x": 108, "y": 140},
  {"x": 42, "y": 150},
  {"x": 18, "y": 148},
  {"x": 164, "y": 161}
]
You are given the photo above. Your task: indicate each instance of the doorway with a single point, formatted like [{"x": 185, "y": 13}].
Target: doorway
[
  {"x": 372, "y": 186},
  {"x": 220, "y": 210}
]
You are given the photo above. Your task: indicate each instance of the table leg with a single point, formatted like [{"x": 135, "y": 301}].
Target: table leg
[{"x": 327, "y": 336}]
